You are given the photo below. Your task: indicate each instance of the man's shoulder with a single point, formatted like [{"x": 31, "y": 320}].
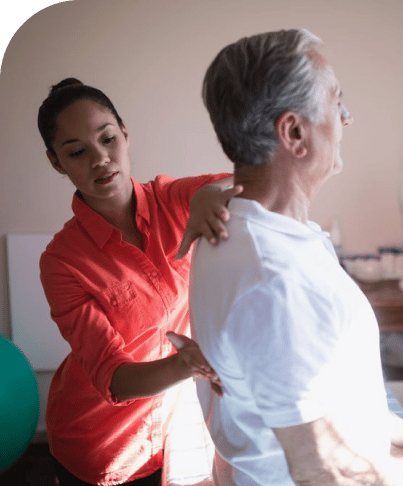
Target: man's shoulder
[
  {"x": 251, "y": 248},
  {"x": 234, "y": 256}
]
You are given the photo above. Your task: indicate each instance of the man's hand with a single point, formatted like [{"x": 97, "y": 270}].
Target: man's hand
[
  {"x": 318, "y": 456},
  {"x": 396, "y": 449},
  {"x": 208, "y": 215},
  {"x": 192, "y": 358}
]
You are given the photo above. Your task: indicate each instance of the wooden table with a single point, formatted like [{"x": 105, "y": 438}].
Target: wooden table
[{"x": 387, "y": 301}]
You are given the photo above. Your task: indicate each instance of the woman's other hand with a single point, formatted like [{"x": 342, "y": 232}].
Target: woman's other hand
[
  {"x": 191, "y": 357},
  {"x": 208, "y": 215}
]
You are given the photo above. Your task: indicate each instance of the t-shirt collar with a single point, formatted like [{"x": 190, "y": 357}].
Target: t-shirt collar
[{"x": 276, "y": 222}]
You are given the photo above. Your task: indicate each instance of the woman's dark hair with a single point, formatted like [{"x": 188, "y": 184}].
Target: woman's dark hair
[{"x": 60, "y": 97}]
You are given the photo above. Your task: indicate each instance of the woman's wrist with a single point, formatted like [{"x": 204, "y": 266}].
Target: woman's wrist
[
  {"x": 181, "y": 370},
  {"x": 137, "y": 380}
]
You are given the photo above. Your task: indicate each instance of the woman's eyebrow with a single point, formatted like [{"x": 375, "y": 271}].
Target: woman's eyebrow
[{"x": 99, "y": 129}]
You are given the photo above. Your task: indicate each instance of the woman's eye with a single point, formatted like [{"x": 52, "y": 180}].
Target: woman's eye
[
  {"x": 109, "y": 139},
  {"x": 76, "y": 153}
]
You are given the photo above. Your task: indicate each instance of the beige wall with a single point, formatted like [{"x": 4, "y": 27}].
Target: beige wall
[{"x": 149, "y": 56}]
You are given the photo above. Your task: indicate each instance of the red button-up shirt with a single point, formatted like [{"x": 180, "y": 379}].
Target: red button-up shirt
[{"x": 114, "y": 304}]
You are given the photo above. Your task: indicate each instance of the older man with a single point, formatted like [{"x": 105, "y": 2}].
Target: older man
[{"x": 292, "y": 337}]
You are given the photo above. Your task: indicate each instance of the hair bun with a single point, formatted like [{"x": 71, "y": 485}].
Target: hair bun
[{"x": 64, "y": 83}]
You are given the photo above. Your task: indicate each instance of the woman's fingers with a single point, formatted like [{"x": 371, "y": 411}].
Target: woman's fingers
[
  {"x": 208, "y": 219},
  {"x": 193, "y": 358},
  {"x": 232, "y": 192},
  {"x": 191, "y": 233},
  {"x": 187, "y": 240},
  {"x": 176, "y": 340},
  {"x": 217, "y": 389},
  {"x": 217, "y": 227},
  {"x": 220, "y": 215}
]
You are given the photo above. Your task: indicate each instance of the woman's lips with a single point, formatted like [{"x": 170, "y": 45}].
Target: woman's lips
[{"x": 107, "y": 178}]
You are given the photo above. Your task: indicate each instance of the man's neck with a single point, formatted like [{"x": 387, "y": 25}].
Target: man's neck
[{"x": 276, "y": 190}]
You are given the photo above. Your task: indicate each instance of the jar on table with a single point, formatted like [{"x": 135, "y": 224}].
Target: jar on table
[
  {"x": 367, "y": 268},
  {"x": 388, "y": 258}
]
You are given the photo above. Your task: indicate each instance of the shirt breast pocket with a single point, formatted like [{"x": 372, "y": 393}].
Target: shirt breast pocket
[
  {"x": 118, "y": 296},
  {"x": 125, "y": 310}
]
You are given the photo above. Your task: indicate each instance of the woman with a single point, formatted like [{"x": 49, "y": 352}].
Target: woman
[{"x": 115, "y": 288}]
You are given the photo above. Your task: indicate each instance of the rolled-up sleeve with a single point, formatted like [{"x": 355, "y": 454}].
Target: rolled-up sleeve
[{"x": 95, "y": 344}]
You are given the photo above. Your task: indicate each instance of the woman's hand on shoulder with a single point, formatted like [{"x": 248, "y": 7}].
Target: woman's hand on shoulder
[
  {"x": 208, "y": 215},
  {"x": 190, "y": 357}
]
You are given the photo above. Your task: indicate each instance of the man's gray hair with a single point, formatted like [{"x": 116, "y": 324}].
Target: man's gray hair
[{"x": 252, "y": 82}]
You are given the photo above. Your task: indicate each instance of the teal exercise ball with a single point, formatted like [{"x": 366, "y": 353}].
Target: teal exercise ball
[{"x": 19, "y": 403}]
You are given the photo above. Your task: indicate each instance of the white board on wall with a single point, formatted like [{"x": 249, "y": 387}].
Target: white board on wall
[{"x": 32, "y": 328}]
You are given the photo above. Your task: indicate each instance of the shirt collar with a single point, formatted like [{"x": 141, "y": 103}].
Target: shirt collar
[
  {"x": 142, "y": 206},
  {"x": 97, "y": 226},
  {"x": 250, "y": 209}
]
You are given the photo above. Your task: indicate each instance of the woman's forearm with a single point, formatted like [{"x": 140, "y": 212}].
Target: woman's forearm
[
  {"x": 136, "y": 380},
  {"x": 222, "y": 184}
]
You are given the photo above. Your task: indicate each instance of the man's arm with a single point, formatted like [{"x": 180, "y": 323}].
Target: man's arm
[
  {"x": 318, "y": 456},
  {"x": 396, "y": 449}
]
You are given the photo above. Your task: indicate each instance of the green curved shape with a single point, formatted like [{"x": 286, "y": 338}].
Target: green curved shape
[{"x": 19, "y": 403}]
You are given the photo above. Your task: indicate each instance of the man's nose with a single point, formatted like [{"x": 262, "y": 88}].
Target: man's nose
[{"x": 346, "y": 117}]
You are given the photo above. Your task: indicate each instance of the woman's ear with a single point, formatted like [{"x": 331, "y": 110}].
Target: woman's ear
[
  {"x": 55, "y": 162},
  {"x": 125, "y": 132},
  {"x": 291, "y": 133}
]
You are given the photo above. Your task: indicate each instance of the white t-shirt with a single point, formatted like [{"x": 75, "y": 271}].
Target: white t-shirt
[{"x": 292, "y": 338}]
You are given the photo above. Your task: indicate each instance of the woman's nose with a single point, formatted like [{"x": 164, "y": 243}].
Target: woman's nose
[{"x": 100, "y": 157}]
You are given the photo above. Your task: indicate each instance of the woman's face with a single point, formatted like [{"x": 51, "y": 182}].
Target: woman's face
[{"x": 93, "y": 150}]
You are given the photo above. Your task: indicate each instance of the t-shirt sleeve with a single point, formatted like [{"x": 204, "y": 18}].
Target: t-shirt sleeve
[
  {"x": 95, "y": 344},
  {"x": 284, "y": 336}
]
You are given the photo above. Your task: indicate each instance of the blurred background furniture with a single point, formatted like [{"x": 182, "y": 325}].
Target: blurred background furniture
[{"x": 386, "y": 299}]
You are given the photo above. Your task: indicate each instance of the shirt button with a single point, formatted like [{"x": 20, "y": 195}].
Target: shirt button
[
  {"x": 114, "y": 303},
  {"x": 154, "y": 274}
]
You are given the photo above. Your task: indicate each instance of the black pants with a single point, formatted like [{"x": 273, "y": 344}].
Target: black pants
[{"x": 67, "y": 479}]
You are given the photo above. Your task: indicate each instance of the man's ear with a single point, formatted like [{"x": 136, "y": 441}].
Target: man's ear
[
  {"x": 291, "y": 133},
  {"x": 55, "y": 162}
]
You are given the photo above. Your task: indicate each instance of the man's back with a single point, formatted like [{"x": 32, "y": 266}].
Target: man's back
[{"x": 282, "y": 325}]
